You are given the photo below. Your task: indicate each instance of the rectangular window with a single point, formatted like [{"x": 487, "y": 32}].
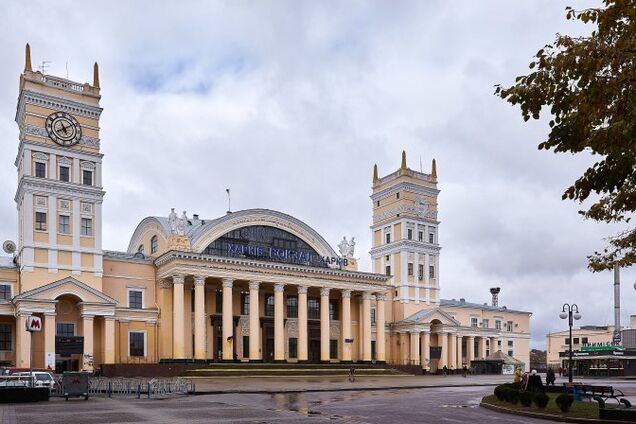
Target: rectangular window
[
  {"x": 509, "y": 326},
  {"x": 409, "y": 234},
  {"x": 510, "y": 343},
  {"x": 87, "y": 177},
  {"x": 245, "y": 303},
  {"x": 87, "y": 227},
  {"x": 65, "y": 174},
  {"x": 246, "y": 346},
  {"x": 373, "y": 312},
  {"x": 511, "y": 353},
  {"x": 497, "y": 324},
  {"x": 5, "y": 337},
  {"x": 40, "y": 170},
  {"x": 137, "y": 344},
  {"x": 388, "y": 237},
  {"x": 135, "y": 299},
  {"x": 333, "y": 309},
  {"x": 40, "y": 221},
  {"x": 420, "y": 272},
  {"x": 293, "y": 347},
  {"x": 431, "y": 271},
  {"x": 269, "y": 305},
  {"x": 420, "y": 236},
  {"x": 473, "y": 322},
  {"x": 431, "y": 238},
  {"x": 485, "y": 323},
  {"x": 576, "y": 340},
  {"x": 410, "y": 269},
  {"x": 313, "y": 308},
  {"x": 292, "y": 307},
  {"x": 64, "y": 329},
  {"x": 64, "y": 226},
  {"x": 5, "y": 292},
  {"x": 567, "y": 341},
  {"x": 387, "y": 270},
  {"x": 333, "y": 349},
  {"x": 219, "y": 301},
  {"x": 584, "y": 340}
]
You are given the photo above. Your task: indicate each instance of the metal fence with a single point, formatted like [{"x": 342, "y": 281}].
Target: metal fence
[{"x": 153, "y": 388}]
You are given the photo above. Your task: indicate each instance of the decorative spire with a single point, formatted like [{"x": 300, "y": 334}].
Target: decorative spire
[
  {"x": 403, "y": 166},
  {"x": 434, "y": 169},
  {"x": 95, "y": 75},
  {"x": 375, "y": 172},
  {"x": 27, "y": 58}
]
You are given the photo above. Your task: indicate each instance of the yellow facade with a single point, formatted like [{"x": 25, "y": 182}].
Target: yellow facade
[{"x": 253, "y": 285}]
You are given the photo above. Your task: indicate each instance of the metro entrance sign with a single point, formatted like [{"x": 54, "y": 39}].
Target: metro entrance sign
[{"x": 33, "y": 324}]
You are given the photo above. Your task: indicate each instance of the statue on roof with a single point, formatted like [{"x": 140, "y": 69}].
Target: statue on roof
[
  {"x": 352, "y": 247},
  {"x": 182, "y": 223},
  {"x": 347, "y": 248},
  {"x": 172, "y": 221}
]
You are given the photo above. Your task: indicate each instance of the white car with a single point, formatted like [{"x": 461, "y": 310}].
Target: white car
[{"x": 42, "y": 378}]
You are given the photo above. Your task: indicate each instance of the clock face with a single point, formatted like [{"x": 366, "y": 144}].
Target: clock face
[{"x": 63, "y": 128}]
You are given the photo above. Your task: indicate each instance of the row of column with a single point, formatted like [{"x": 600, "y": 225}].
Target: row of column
[
  {"x": 451, "y": 348},
  {"x": 279, "y": 339}
]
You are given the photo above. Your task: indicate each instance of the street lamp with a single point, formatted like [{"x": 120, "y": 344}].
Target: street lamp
[{"x": 570, "y": 313}]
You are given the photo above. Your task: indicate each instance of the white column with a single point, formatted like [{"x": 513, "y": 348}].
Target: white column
[
  {"x": 470, "y": 350},
  {"x": 49, "y": 341},
  {"x": 228, "y": 320},
  {"x": 76, "y": 171},
  {"x": 426, "y": 344},
  {"x": 346, "y": 326},
  {"x": 279, "y": 323},
  {"x": 87, "y": 332},
  {"x": 366, "y": 326},
  {"x": 254, "y": 322},
  {"x": 302, "y": 323},
  {"x": 460, "y": 360},
  {"x": 324, "y": 325},
  {"x": 178, "y": 325},
  {"x": 415, "y": 349},
  {"x": 452, "y": 354},
  {"x": 199, "y": 317},
  {"x": 444, "y": 358},
  {"x": 380, "y": 334}
]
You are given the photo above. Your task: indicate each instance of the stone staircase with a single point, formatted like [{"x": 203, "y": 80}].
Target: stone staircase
[{"x": 234, "y": 369}]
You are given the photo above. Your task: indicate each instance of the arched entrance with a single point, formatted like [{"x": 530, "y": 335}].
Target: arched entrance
[{"x": 69, "y": 340}]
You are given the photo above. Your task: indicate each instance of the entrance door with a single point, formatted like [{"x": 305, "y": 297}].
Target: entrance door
[
  {"x": 314, "y": 351},
  {"x": 268, "y": 343}
]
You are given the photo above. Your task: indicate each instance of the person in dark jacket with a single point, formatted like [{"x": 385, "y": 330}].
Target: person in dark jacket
[
  {"x": 534, "y": 382},
  {"x": 550, "y": 377}
]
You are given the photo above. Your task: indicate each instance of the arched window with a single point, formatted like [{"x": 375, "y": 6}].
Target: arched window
[
  {"x": 140, "y": 249},
  {"x": 154, "y": 244}
]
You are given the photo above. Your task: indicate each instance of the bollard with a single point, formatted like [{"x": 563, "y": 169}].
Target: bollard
[
  {"x": 110, "y": 389},
  {"x": 149, "y": 390},
  {"x": 138, "y": 391}
]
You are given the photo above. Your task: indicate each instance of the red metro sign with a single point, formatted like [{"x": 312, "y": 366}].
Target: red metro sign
[{"x": 33, "y": 324}]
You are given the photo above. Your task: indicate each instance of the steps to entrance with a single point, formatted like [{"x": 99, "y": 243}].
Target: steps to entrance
[{"x": 289, "y": 370}]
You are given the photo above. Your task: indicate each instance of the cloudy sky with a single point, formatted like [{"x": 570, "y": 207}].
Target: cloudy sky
[{"x": 290, "y": 103}]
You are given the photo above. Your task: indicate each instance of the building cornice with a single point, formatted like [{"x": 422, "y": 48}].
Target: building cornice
[
  {"x": 400, "y": 245},
  {"x": 47, "y": 148},
  {"x": 404, "y": 186},
  {"x": 57, "y": 103},
  {"x": 46, "y": 187}
]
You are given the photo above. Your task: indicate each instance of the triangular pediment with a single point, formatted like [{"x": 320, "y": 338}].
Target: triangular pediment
[
  {"x": 430, "y": 316},
  {"x": 68, "y": 285}
]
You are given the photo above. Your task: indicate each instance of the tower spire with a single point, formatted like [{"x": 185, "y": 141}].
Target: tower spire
[
  {"x": 27, "y": 58},
  {"x": 434, "y": 169},
  {"x": 375, "y": 173},
  {"x": 95, "y": 75},
  {"x": 403, "y": 166}
]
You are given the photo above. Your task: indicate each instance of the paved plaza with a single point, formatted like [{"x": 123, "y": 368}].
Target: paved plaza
[{"x": 442, "y": 401}]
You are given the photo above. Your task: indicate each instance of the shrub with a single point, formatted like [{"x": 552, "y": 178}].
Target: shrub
[
  {"x": 525, "y": 398},
  {"x": 564, "y": 401},
  {"x": 512, "y": 396},
  {"x": 499, "y": 392},
  {"x": 541, "y": 400}
]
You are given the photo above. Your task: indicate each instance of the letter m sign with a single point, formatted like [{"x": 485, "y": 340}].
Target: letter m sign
[{"x": 33, "y": 324}]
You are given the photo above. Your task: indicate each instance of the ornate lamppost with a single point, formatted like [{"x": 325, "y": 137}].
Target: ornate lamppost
[{"x": 571, "y": 313}]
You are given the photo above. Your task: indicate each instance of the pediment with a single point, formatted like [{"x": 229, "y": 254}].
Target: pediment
[
  {"x": 66, "y": 286},
  {"x": 430, "y": 316}
]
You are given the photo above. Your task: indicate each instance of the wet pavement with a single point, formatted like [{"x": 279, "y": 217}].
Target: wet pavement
[{"x": 411, "y": 405}]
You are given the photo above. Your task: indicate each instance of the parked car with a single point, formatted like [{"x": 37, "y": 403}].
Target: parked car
[{"x": 42, "y": 378}]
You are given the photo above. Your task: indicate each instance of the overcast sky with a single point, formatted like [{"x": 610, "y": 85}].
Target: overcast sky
[{"x": 290, "y": 103}]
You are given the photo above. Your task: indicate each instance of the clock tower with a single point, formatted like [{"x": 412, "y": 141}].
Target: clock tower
[{"x": 59, "y": 164}]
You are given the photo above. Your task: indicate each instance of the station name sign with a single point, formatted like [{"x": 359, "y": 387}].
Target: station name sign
[{"x": 284, "y": 255}]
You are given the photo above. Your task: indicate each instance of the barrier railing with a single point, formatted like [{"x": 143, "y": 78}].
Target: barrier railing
[{"x": 140, "y": 387}]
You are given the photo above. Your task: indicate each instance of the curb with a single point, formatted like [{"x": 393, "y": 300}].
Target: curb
[
  {"x": 551, "y": 417},
  {"x": 339, "y": 389}
]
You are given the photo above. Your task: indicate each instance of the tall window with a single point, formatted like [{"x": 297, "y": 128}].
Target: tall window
[
  {"x": 293, "y": 347},
  {"x": 64, "y": 226},
  {"x": 410, "y": 269},
  {"x": 575, "y": 341},
  {"x": 87, "y": 177},
  {"x": 387, "y": 270},
  {"x": 65, "y": 174},
  {"x": 135, "y": 299},
  {"x": 40, "y": 221},
  {"x": 64, "y": 329},
  {"x": 245, "y": 303},
  {"x": 473, "y": 322},
  {"x": 137, "y": 343},
  {"x": 333, "y": 349},
  {"x": 497, "y": 324},
  {"x": 269, "y": 305},
  {"x": 40, "y": 169},
  {"x": 87, "y": 227},
  {"x": 5, "y": 337},
  {"x": 431, "y": 237},
  {"x": 292, "y": 307},
  {"x": 509, "y": 326},
  {"x": 246, "y": 346},
  {"x": 333, "y": 309},
  {"x": 431, "y": 271},
  {"x": 409, "y": 234},
  {"x": 373, "y": 312},
  {"x": 420, "y": 272},
  {"x": 219, "y": 301},
  {"x": 154, "y": 244},
  {"x": 5, "y": 292},
  {"x": 420, "y": 236},
  {"x": 388, "y": 237},
  {"x": 313, "y": 308},
  {"x": 485, "y": 323}
]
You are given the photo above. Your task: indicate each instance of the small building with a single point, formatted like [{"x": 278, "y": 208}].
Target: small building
[
  {"x": 587, "y": 335},
  {"x": 497, "y": 363}
]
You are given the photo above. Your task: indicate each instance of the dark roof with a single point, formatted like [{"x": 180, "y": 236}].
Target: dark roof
[{"x": 461, "y": 303}]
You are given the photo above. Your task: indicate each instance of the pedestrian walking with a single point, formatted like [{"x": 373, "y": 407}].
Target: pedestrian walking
[
  {"x": 352, "y": 374},
  {"x": 464, "y": 371},
  {"x": 445, "y": 370},
  {"x": 550, "y": 377}
]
